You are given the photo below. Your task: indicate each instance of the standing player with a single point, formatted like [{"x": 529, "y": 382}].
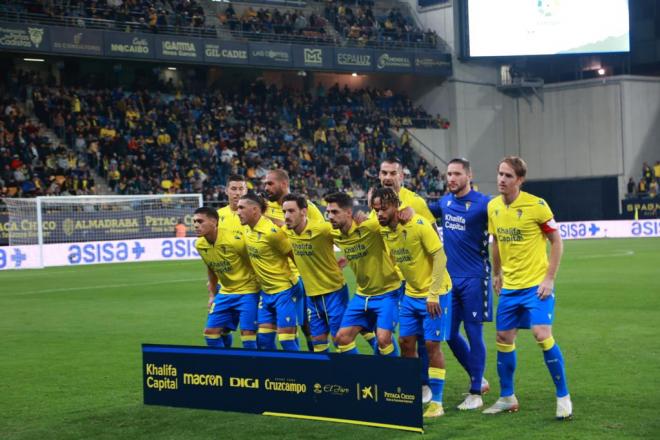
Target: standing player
[
  {"x": 391, "y": 176},
  {"x": 464, "y": 215},
  {"x": 325, "y": 287},
  {"x": 375, "y": 303},
  {"x": 269, "y": 250},
  {"x": 228, "y": 220},
  {"x": 426, "y": 306},
  {"x": 224, "y": 253},
  {"x": 276, "y": 186},
  {"x": 520, "y": 224}
]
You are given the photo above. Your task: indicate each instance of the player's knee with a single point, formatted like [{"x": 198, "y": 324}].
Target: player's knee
[
  {"x": 505, "y": 338},
  {"x": 343, "y": 337},
  {"x": 248, "y": 332},
  {"x": 213, "y": 332},
  {"x": 541, "y": 333},
  {"x": 433, "y": 348},
  {"x": 384, "y": 339}
]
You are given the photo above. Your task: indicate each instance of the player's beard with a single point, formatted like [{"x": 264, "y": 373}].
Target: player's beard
[{"x": 458, "y": 189}]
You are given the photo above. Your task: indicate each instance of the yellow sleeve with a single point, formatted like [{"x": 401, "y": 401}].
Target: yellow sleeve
[
  {"x": 543, "y": 212},
  {"x": 429, "y": 237},
  {"x": 438, "y": 275},
  {"x": 491, "y": 226},
  {"x": 313, "y": 213},
  {"x": 279, "y": 241}
]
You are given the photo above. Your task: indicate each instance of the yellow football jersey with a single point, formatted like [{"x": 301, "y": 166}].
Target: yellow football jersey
[
  {"x": 228, "y": 219},
  {"x": 228, "y": 259},
  {"x": 417, "y": 203},
  {"x": 313, "y": 251},
  {"x": 412, "y": 246},
  {"x": 520, "y": 239},
  {"x": 268, "y": 248},
  {"x": 367, "y": 255}
]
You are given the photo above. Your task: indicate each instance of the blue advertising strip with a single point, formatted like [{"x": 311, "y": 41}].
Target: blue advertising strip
[
  {"x": 170, "y": 47},
  {"x": 225, "y": 52},
  {"x": 366, "y": 390},
  {"x": 271, "y": 54},
  {"x": 641, "y": 208},
  {"x": 432, "y": 63},
  {"x": 313, "y": 57},
  {"x": 397, "y": 61},
  {"x": 76, "y": 41},
  {"x": 129, "y": 45},
  {"x": 25, "y": 37},
  {"x": 354, "y": 60}
]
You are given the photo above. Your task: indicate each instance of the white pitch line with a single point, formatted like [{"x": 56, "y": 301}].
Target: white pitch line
[
  {"x": 105, "y": 286},
  {"x": 613, "y": 254}
]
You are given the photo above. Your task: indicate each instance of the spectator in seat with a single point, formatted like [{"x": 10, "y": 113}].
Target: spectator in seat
[{"x": 631, "y": 187}]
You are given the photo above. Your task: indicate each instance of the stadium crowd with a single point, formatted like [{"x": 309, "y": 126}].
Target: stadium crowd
[
  {"x": 361, "y": 25},
  {"x": 30, "y": 164},
  {"x": 253, "y": 22},
  {"x": 147, "y": 15},
  {"x": 648, "y": 183},
  {"x": 152, "y": 142}
]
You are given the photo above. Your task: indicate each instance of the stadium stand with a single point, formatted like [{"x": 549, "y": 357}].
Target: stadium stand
[
  {"x": 154, "y": 141},
  {"x": 31, "y": 163}
]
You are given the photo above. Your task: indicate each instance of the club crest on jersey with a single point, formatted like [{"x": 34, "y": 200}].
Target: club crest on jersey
[
  {"x": 467, "y": 205},
  {"x": 258, "y": 235},
  {"x": 405, "y": 235},
  {"x": 519, "y": 213},
  {"x": 448, "y": 203},
  {"x": 497, "y": 212}
]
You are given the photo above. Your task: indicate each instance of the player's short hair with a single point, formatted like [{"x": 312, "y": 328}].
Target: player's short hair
[
  {"x": 517, "y": 163},
  {"x": 343, "y": 200},
  {"x": 256, "y": 199},
  {"x": 394, "y": 160},
  {"x": 280, "y": 174},
  {"x": 236, "y": 178},
  {"x": 463, "y": 161},
  {"x": 386, "y": 195},
  {"x": 209, "y": 212},
  {"x": 300, "y": 200}
]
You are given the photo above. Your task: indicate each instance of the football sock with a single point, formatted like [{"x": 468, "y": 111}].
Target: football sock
[
  {"x": 459, "y": 346},
  {"x": 391, "y": 350},
  {"x": 321, "y": 346},
  {"x": 214, "y": 341},
  {"x": 506, "y": 367},
  {"x": 288, "y": 341},
  {"x": 437, "y": 383},
  {"x": 372, "y": 340},
  {"x": 555, "y": 363},
  {"x": 266, "y": 339},
  {"x": 424, "y": 358},
  {"x": 249, "y": 341},
  {"x": 228, "y": 339},
  {"x": 477, "y": 356},
  {"x": 349, "y": 348}
]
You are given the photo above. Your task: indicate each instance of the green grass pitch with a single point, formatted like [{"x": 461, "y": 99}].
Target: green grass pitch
[{"x": 70, "y": 360}]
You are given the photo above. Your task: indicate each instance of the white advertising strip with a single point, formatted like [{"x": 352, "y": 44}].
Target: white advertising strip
[{"x": 166, "y": 249}]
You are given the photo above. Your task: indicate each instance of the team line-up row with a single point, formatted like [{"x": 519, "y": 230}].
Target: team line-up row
[{"x": 272, "y": 268}]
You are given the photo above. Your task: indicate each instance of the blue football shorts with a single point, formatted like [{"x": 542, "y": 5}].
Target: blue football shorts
[
  {"x": 326, "y": 311},
  {"x": 415, "y": 320},
  {"x": 230, "y": 310},
  {"x": 377, "y": 311},
  {"x": 523, "y": 309},
  {"x": 280, "y": 308}
]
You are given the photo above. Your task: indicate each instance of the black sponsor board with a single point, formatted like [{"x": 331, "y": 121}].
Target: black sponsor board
[
  {"x": 393, "y": 61},
  {"x": 646, "y": 208},
  {"x": 354, "y": 60},
  {"x": 82, "y": 226},
  {"x": 313, "y": 57},
  {"x": 179, "y": 48},
  {"x": 129, "y": 45},
  {"x": 225, "y": 52},
  {"x": 432, "y": 63},
  {"x": 368, "y": 390},
  {"x": 24, "y": 37},
  {"x": 271, "y": 54},
  {"x": 76, "y": 41}
]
